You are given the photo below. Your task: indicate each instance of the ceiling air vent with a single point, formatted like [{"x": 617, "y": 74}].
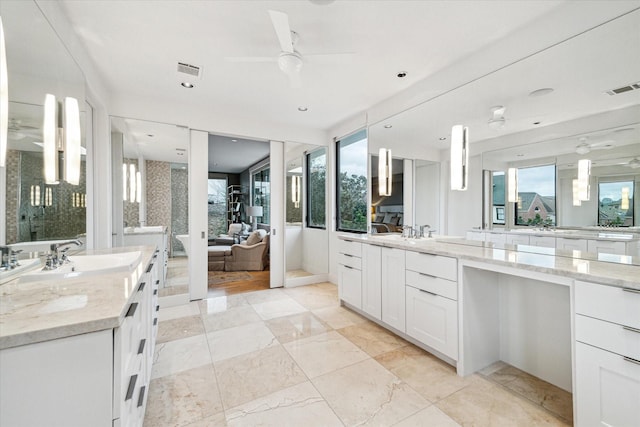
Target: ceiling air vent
[
  {"x": 623, "y": 89},
  {"x": 189, "y": 69}
]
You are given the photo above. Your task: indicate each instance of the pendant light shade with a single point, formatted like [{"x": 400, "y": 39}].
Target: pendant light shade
[
  {"x": 138, "y": 186},
  {"x": 576, "y": 198},
  {"x": 584, "y": 171},
  {"x": 35, "y": 195},
  {"x": 512, "y": 185},
  {"x": 132, "y": 183},
  {"x": 295, "y": 190},
  {"x": 624, "y": 200},
  {"x": 124, "y": 182},
  {"x": 4, "y": 100},
  {"x": 459, "y": 157},
  {"x": 50, "y": 140},
  {"x": 385, "y": 172},
  {"x": 72, "y": 141}
]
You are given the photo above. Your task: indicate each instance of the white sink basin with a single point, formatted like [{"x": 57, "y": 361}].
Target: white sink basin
[
  {"x": 145, "y": 229},
  {"x": 85, "y": 265}
]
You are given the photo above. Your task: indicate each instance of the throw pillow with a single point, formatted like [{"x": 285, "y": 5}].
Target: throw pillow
[
  {"x": 254, "y": 238},
  {"x": 387, "y": 218},
  {"x": 379, "y": 218},
  {"x": 394, "y": 220}
]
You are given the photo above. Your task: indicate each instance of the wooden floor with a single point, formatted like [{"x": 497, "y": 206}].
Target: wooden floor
[{"x": 259, "y": 280}]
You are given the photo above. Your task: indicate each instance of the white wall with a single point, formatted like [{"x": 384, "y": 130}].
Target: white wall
[
  {"x": 315, "y": 251},
  {"x": 427, "y": 195},
  {"x": 464, "y": 208},
  {"x": 294, "y": 245}
]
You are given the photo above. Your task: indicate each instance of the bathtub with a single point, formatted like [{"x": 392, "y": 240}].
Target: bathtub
[{"x": 184, "y": 239}]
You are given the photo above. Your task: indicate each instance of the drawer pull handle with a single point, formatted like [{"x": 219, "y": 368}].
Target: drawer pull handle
[
  {"x": 131, "y": 387},
  {"x": 350, "y": 256},
  {"x": 150, "y": 268},
  {"x": 427, "y": 292},
  {"x": 378, "y": 246},
  {"x": 155, "y": 321},
  {"x": 629, "y": 328},
  {"x": 155, "y": 292},
  {"x": 158, "y": 282},
  {"x": 141, "y": 287},
  {"x": 634, "y": 291},
  {"x": 350, "y": 241},
  {"x": 629, "y": 359},
  {"x": 428, "y": 275},
  {"x": 157, "y": 307},
  {"x": 350, "y": 268},
  {"x": 427, "y": 254},
  {"x": 141, "y": 346},
  {"x": 141, "y": 397},
  {"x": 132, "y": 309}
]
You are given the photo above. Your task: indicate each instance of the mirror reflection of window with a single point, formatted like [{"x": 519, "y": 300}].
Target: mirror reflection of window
[
  {"x": 387, "y": 212},
  {"x": 499, "y": 196},
  {"x": 536, "y": 196},
  {"x": 262, "y": 193},
  {"x": 615, "y": 203},
  {"x": 316, "y": 186},
  {"x": 217, "y": 206},
  {"x": 352, "y": 183}
]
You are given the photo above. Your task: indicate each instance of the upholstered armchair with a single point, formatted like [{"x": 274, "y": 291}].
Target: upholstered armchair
[{"x": 249, "y": 255}]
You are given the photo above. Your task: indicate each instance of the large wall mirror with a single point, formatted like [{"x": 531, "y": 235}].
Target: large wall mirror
[
  {"x": 306, "y": 236},
  {"x": 574, "y": 100},
  {"x": 150, "y": 195},
  {"x": 39, "y": 64}
]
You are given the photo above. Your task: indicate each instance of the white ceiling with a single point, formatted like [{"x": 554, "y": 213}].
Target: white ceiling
[
  {"x": 235, "y": 155},
  {"x": 137, "y": 45}
]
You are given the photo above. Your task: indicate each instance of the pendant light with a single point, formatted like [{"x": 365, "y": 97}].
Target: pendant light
[
  {"x": 512, "y": 185},
  {"x": 61, "y": 144},
  {"x": 459, "y": 157},
  {"x": 385, "y": 172},
  {"x": 295, "y": 190},
  {"x": 576, "y": 197},
  {"x": 584, "y": 171},
  {"x": 624, "y": 200}
]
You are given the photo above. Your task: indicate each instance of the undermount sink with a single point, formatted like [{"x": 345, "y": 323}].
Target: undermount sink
[
  {"x": 145, "y": 229},
  {"x": 87, "y": 265}
]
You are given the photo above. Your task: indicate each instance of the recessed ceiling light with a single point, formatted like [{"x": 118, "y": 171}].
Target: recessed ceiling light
[
  {"x": 302, "y": 108},
  {"x": 187, "y": 85},
  {"x": 442, "y": 138},
  {"x": 388, "y": 126},
  {"x": 401, "y": 74},
  {"x": 541, "y": 92}
]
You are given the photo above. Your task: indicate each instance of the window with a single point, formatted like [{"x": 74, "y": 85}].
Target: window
[
  {"x": 316, "y": 188},
  {"x": 217, "y": 206},
  {"x": 615, "y": 203},
  {"x": 261, "y": 192},
  {"x": 351, "y": 183},
  {"x": 536, "y": 196},
  {"x": 499, "y": 195}
]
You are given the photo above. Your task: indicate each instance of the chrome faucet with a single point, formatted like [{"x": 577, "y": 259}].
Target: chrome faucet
[
  {"x": 5, "y": 252},
  {"x": 58, "y": 256}
]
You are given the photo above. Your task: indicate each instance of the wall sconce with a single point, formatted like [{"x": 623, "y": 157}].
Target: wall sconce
[
  {"x": 35, "y": 195},
  {"x": 624, "y": 200},
  {"x": 512, "y": 185},
  {"x": 459, "y": 157},
  {"x": 254, "y": 212},
  {"x": 385, "y": 172},
  {"x": 4, "y": 100},
  {"x": 295, "y": 190},
  {"x": 576, "y": 198},
  {"x": 584, "y": 171},
  {"x": 131, "y": 183},
  {"x": 61, "y": 143},
  {"x": 48, "y": 196},
  {"x": 79, "y": 200}
]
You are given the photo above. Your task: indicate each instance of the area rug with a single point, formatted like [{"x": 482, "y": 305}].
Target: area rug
[{"x": 219, "y": 277}]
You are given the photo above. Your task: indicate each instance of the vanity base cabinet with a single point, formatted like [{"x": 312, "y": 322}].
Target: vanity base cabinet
[
  {"x": 350, "y": 285},
  {"x": 607, "y": 388},
  {"x": 433, "y": 320},
  {"x": 372, "y": 281},
  {"x": 393, "y": 288}
]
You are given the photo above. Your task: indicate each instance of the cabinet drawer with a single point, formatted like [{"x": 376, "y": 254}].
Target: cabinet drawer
[
  {"x": 613, "y": 304},
  {"x": 433, "y": 284},
  {"x": 350, "y": 285},
  {"x": 622, "y": 340},
  {"x": 350, "y": 260},
  {"x": 434, "y": 265},
  {"x": 350, "y": 247},
  {"x": 607, "y": 247}
]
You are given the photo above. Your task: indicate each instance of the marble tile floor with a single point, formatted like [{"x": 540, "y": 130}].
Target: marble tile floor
[
  {"x": 294, "y": 357},
  {"x": 177, "y": 277}
]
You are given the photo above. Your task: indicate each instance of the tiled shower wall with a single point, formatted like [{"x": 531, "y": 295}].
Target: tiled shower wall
[
  {"x": 158, "y": 184},
  {"x": 179, "y": 207}
]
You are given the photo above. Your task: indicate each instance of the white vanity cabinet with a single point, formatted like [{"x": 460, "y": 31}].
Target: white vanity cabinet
[
  {"x": 350, "y": 272},
  {"x": 392, "y": 268},
  {"x": 607, "y": 247},
  {"x": 607, "y": 353},
  {"x": 431, "y": 301},
  {"x": 372, "y": 280},
  {"x": 571, "y": 244},
  {"x": 160, "y": 240},
  {"x": 542, "y": 241},
  {"x": 517, "y": 239}
]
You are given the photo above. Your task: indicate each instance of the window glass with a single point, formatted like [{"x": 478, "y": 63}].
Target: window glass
[
  {"x": 351, "y": 183},
  {"x": 261, "y": 193},
  {"x": 536, "y": 196},
  {"x": 615, "y": 203},
  {"x": 499, "y": 197},
  {"x": 217, "y": 206},
  {"x": 316, "y": 188}
]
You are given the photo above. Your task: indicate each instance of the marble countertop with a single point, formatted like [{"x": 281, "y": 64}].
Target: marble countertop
[
  {"x": 581, "y": 268},
  {"x": 147, "y": 229},
  {"x": 44, "y": 310},
  {"x": 613, "y": 234}
]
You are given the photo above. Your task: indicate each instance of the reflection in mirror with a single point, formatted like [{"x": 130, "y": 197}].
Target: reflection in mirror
[
  {"x": 427, "y": 193},
  {"x": 306, "y": 237},
  {"x": 35, "y": 211},
  {"x": 387, "y": 212},
  {"x": 150, "y": 196}
]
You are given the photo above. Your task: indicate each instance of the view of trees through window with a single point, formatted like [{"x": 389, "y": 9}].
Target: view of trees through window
[
  {"x": 352, "y": 183},
  {"x": 536, "y": 196},
  {"x": 615, "y": 203},
  {"x": 316, "y": 188},
  {"x": 217, "y": 206}
]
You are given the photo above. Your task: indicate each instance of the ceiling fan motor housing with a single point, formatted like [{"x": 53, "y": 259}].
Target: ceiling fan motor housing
[{"x": 290, "y": 62}]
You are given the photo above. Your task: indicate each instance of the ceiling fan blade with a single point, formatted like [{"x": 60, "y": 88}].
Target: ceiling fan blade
[
  {"x": 250, "y": 59},
  {"x": 280, "y": 21}
]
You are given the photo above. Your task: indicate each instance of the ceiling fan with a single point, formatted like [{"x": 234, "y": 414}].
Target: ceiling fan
[
  {"x": 585, "y": 148},
  {"x": 289, "y": 60}
]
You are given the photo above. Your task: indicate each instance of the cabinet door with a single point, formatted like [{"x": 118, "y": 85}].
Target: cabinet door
[
  {"x": 607, "y": 388},
  {"x": 542, "y": 241},
  {"x": 433, "y": 320},
  {"x": 517, "y": 239},
  {"x": 372, "y": 280},
  {"x": 571, "y": 244},
  {"x": 393, "y": 284},
  {"x": 350, "y": 285},
  {"x": 607, "y": 247}
]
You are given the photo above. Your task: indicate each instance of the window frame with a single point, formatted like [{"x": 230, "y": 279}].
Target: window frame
[
  {"x": 337, "y": 177},
  {"x": 613, "y": 180},
  {"x": 555, "y": 196}
]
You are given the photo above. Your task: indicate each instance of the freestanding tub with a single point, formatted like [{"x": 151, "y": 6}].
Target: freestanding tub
[{"x": 184, "y": 239}]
